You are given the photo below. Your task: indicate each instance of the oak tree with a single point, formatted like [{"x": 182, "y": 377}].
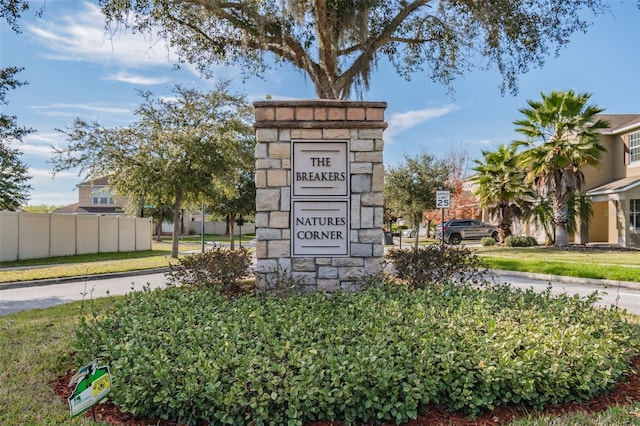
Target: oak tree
[
  {"x": 178, "y": 148},
  {"x": 338, "y": 43},
  {"x": 14, "y": 175}
]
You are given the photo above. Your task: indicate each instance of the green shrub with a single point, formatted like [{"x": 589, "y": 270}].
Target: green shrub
[
  {"x": 487, "y": 241},
  {"x": 372, "y": 356},
  {"x": 221, "y": 268},
  {"x": 519, "y": 241},
  {"x": 437, "y": 264}
]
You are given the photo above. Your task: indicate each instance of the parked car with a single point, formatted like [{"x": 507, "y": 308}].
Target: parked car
[
  {"x": 456, "y": 230},
  {"x": 409, "y": 233}
]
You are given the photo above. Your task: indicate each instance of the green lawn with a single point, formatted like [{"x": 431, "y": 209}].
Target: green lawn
[
  {"x": 102, "y": 263},
  {"x": 35, "y": 348},
  {"x": 611, "y": 264}
]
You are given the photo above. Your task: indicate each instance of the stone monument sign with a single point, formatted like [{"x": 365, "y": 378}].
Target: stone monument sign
[{"x": 319, "y": 203}]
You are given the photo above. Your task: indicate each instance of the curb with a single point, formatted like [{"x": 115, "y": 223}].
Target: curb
[
  {"x": 567, "y": 279},
  {"x": 66, "y": 280},
  {"x": 495, "y": 272}
]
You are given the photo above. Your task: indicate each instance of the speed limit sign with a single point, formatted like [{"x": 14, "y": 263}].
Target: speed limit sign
[{"x": 443, "y": 199}]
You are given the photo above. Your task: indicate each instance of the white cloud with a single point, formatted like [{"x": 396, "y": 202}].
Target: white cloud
[
  {"x": 46, "y": 189},
  {"x": 97, "y": 111},
  {"x": 402, "y": 121},
  {"x": 36, "y": 150},
  {"x": 142, "y": 80},
  {"x": 37, "y": 198},
  {"x": 44, "y": 176},
  {"x": 85, "y": 107},
  {"x": 81, "y": 35},
  {"x": 38, "y": 138}
]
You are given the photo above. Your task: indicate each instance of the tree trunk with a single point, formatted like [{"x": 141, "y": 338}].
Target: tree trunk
[
  {"x": 561, "y": 218},
  {"x": 177, "y": 220},
  {"x": 504, "y": 226},
  {"x": 231, "y": 233},
  {"x": 562, "y": 238},
  {"x": 158, "y": 225},
  {"x": 504, "y": 231}
]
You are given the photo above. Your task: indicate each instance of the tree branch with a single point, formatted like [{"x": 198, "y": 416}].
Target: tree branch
[{"x": 372, "y": 45}]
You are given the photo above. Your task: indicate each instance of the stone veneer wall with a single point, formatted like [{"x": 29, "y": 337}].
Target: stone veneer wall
[{"x": 277, "y": 124}]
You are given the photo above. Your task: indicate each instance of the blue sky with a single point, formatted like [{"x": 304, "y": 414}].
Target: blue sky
[{"x": 76, "y": 69}]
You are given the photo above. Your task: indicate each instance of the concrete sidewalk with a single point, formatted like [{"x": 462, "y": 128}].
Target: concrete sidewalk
[
  {"x": 495, "y": 272},
  {"x": 565, "y": 279}
]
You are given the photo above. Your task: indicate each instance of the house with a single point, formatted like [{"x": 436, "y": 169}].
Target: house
[
  {"x": 614, "y": 187},
  {"x": 94, "y": 197}
]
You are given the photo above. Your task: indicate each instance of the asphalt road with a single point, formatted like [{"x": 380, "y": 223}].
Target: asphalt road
[
  {"x": 40, "y": 296},
  {"x": 623, "y": 295}
]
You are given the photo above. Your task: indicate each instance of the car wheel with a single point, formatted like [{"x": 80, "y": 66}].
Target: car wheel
[
  {"x": 455, "y": 239},
  {"x": 494, "y": 235}
]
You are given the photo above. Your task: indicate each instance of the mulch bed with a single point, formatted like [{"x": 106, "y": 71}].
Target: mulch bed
[{"x": 623, "y": 393}]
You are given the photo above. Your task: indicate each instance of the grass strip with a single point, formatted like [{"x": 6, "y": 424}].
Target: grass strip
[
  {"x": 84, "y": 258},
  {"x": 35, "y": 349},
  {"x": 84, "y": 269},
  {"x": 570, "y": 269}
]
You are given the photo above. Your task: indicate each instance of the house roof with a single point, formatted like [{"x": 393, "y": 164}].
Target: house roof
[
  {"x": 616, "y": 186},
  {"x": 619, "y": 123},
  {"x": 102, "y": 181},
  {"x": 75, "y": 208}
]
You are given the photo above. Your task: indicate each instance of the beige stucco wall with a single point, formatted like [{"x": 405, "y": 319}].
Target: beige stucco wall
[
  {"x": 599, "y": 223},
  {"x": 611, "y": 165},
  {"x": 614, "y": 225},
  {"x": 85, "y": 196}
]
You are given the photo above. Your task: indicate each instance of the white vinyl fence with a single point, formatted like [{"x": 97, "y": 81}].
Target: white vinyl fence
[
  {"x": 26, "y": 235},
  {"x": 219, "y": 228}
]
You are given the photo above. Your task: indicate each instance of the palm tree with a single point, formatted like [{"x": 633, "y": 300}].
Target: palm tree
[
  {"x": 541, "y": 215},
  {"x": 580, "y": 210},
  {"x": 501, "y": 188},
  {"x": 562, "y": 138},
  {"x": 160, "y": 214}
]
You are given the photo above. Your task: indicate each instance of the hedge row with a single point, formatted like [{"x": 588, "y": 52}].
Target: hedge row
[{"x": 380, "y": 354}]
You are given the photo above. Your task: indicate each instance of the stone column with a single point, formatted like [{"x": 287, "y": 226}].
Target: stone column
[{"x": 319, "y": 203}]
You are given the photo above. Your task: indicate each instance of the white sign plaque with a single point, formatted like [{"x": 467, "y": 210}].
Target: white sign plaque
[
  {"x": 443, "y": 199},
  {"x": 320, "y": 228},
  {"x": 320, "y": 169}
]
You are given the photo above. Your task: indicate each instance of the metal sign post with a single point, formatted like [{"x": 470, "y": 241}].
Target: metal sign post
[
  {"x": 443, "y": 201},
  {"x": 240, "y": 222}
]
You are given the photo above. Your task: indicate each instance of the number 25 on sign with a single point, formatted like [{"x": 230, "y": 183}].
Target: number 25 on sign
[{"x": 443, "y": 199}]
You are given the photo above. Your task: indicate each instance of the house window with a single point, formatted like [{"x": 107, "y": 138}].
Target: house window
[
  {"x": 634, "y": 213},
  {"x": 634, "y": 146},
  {"x": 95, "y": 200}
]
